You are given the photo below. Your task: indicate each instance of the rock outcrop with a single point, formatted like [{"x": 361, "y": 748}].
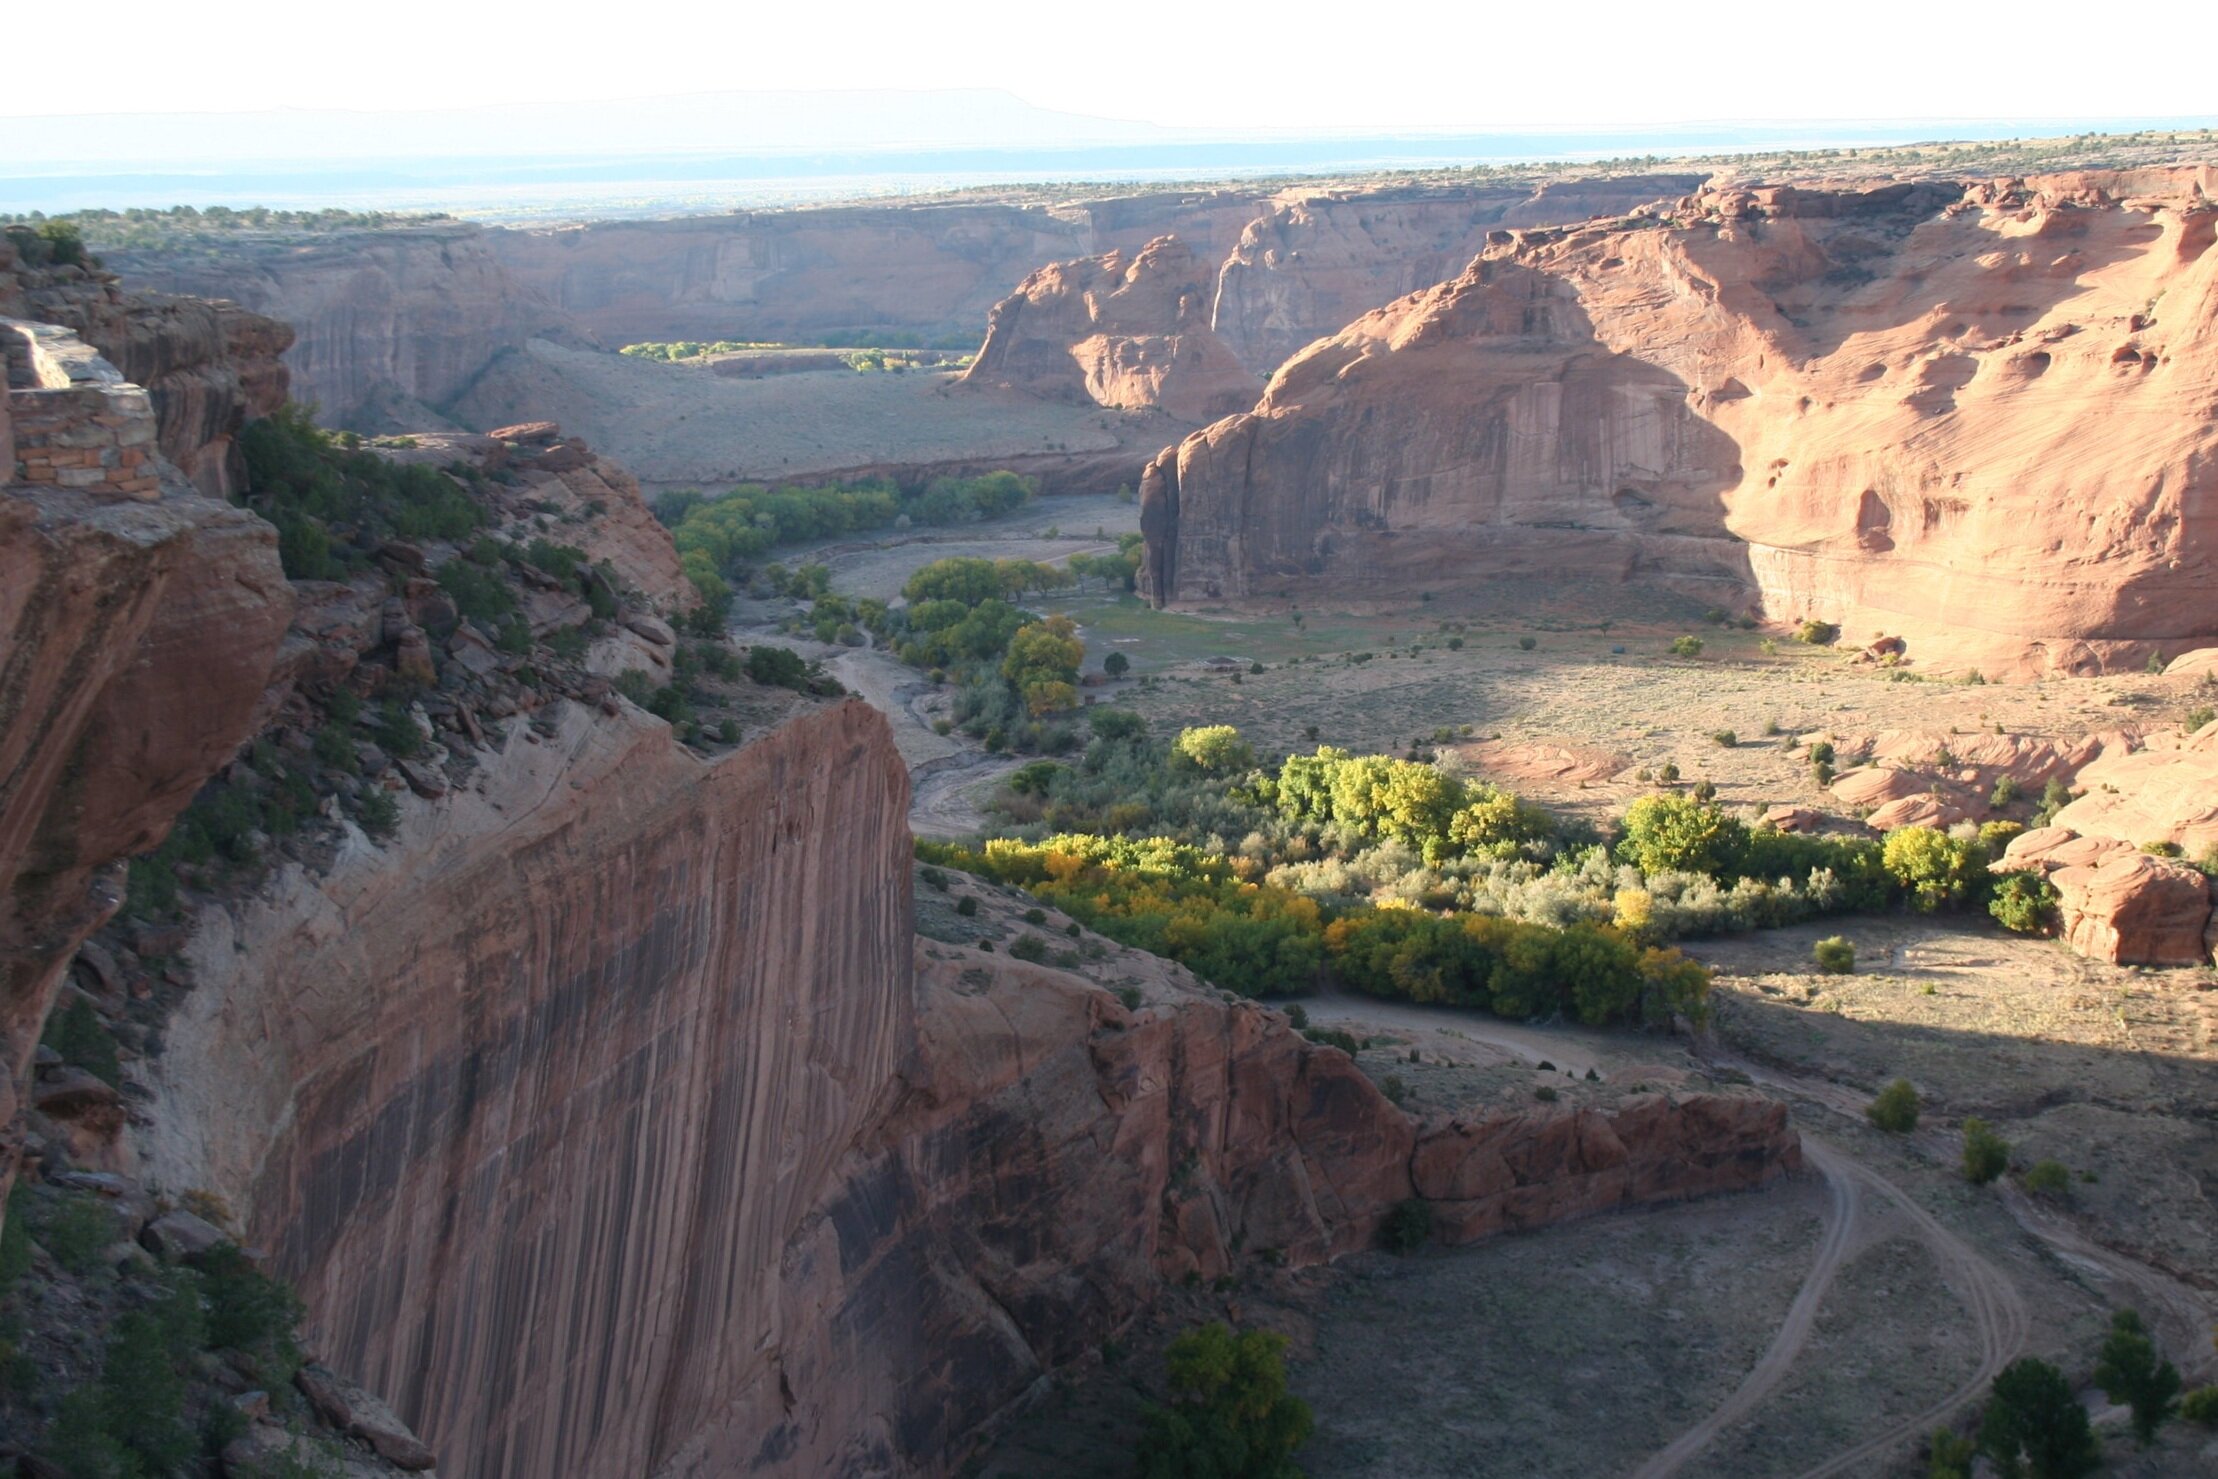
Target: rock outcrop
[
  {"x": 1314, "y": 263},
  {"x": 1975, "y": 416},
  {"x": 137, "y": 631},
  {"x": 207, "y": 367},
  {"x": 1125, "y": 331},
  {"x": 1055, "y": 1158}
]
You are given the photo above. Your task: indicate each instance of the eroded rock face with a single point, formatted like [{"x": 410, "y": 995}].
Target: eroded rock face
[
  {"x": 1311, "y": 265},
  {"x": 1943, "y": 412},
  {"x": 135, "y": 642},
  {"x": 208, "y": 367},
  {"x": 2134, "y": 909},
  {"x": 1129, "y": 331},
  {"x": 1055, "y": 1159},
  {"x": 528, "y": 1100}
]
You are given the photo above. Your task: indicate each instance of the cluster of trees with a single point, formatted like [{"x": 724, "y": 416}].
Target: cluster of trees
[
  {"x": 334, "y": 504},
  {"x": 1377, "y": 798},
  {"x": 718, "y": 538},
  {"x": 680, "y": 349},
  {"x": 1515, "y": 970},
  {"x": 1164, "y": 897},
  {"x": 142, "y": 226}
]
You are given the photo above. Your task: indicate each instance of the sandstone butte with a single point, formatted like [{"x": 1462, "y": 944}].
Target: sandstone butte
[
  {"x": 610, "y": 1116},
  {"x": 1975, "y": 415},
  {"x": 1127, "y": 331}
]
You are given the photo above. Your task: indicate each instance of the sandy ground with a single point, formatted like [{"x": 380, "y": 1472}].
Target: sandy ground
[{"x": 674, "y": 425}]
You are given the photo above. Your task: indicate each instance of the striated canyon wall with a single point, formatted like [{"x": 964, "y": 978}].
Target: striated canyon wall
[
  {"x": 1977, "y": 416},
  {"x": 395, "y": 323},
  {"x": 388, "y": 325}
]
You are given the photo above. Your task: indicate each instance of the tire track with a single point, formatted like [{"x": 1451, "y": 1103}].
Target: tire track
[{"x": 1844, "y": 1208}]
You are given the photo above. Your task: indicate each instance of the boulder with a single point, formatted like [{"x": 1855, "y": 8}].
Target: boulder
[
  {"x": 359, "y": 1414},
  {"x": 2044, "y": 848},
  {"x": 1785, "y": 818},
  {"x": 71, "y": 1093},
  {"x": 2135, "y": 909},
  {"x": 2202, "y": 662},
  {"x": 178, "y": 1234}
]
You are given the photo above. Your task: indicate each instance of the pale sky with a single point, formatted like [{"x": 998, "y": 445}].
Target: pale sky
[{"x": 1356, "y": 64}]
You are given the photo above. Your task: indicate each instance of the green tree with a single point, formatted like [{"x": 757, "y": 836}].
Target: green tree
[
  {"x": 1230, "y": 1415},
  {"x": 1043, "y": 664},
  {"x": 1116, "y": 665},
  {"x": 1670, "y": 832},
  {"x": 2034, "y": 1428},
  {"x": 1213, "y": 749},
  {"x": 2130, "y": 1370},
  {"x": 1949, "y": 1456}
]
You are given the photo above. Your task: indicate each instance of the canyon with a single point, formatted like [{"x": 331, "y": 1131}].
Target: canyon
[
  {"x": 607, "y": 1111},
  {"x": 1974, "y": 417},
  {"x": 394, "y": 324}
]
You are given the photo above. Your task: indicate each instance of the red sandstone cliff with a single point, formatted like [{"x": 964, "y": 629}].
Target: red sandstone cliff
[
  {"x": 137, "y": 632},
  {"x": 1129, "y": 331},
  {"x": 1314, "y": 262},
  {"x": 1977, "y": 416}
]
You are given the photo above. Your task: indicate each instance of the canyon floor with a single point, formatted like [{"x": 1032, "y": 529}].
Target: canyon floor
[
  {"x": 1822, "y": 1327},
  {"x": 682, "y": 425}
]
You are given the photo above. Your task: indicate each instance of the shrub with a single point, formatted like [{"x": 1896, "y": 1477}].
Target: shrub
[
  {"x": 1835, "y": 955},
  {"x": 1895, "y": 1108},
  {"x": 1986, "y": 1154},
  {"x": 1031, "y": 948},
  {"x": 1230, "y": 1415},
  {"x": 2047, "y": 1178},
  {"x": 2201, "y": 1406},
  {"x": 1686, "y": 646},
  {"x": 1408, "y": 1227},
  {"x": 967, "y": 905},
  {"x": 2198, "y": 717},
  {"x": 1724, "y": 739},
  {"x": 77, "y": 1034},
  {"x": 1116, "y": 665},
  {"x": 2035, "y": 1426},
  {"x": 2130, "y": 1370},
  {"x": 75, "y": 1230},
  {"x": 1949, "y": 1455},
  {"x": 250, "y": 1312},
  {"x": 1527, "y": 644},
  {"x": 2024, "y": 903},
  {"x": 378, "y": 812},
  {"x": 1817, "y": 633}
]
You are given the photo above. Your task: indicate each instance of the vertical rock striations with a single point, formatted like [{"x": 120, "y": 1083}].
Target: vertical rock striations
[{"x": 529, "y": 1101}]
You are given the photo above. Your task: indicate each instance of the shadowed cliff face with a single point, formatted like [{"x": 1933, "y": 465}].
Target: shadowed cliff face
[
  {"x": 1055, "y": 1160},
  {"x": 1480, "y": 428},
  {"x": 1977, "y": 416},
  {"x": 528, "y": 1109},
  {"x": 135, "y": 640}
]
